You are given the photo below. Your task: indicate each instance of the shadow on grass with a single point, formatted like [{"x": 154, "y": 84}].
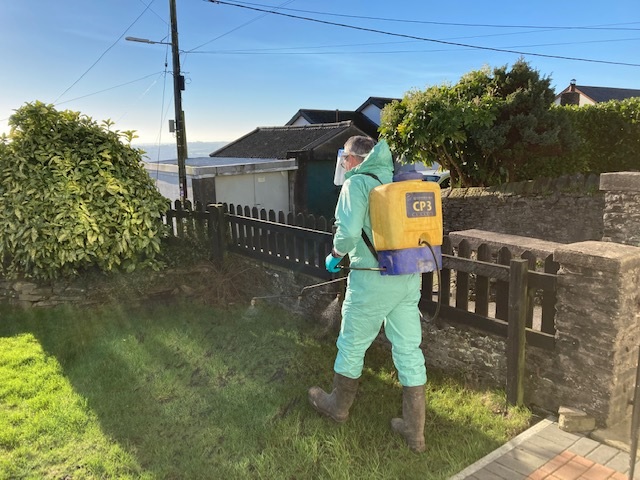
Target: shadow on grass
[{"x": 195, "y": 392}]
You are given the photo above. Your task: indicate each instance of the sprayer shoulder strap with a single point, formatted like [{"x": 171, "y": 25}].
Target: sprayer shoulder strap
[
  {"x": 367, "y": 241},
  {"x": 372, "y": 176},
  {"x": 365, "y": 237}
]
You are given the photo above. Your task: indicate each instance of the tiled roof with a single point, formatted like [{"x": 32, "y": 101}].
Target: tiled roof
[
  {"x": 275, "y": 142},
  {"x": 603, "y": 94},
  {"x": 379, "y": 102},
  {"x": 331, "y": 116},
  {"x": 323, "y": 116}
]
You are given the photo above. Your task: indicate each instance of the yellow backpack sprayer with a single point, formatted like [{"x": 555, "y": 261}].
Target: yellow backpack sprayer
[{"x": 406, "y": 220}]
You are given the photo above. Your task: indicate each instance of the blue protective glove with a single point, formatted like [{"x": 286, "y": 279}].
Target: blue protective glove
[{"x": 331, "y": 263}]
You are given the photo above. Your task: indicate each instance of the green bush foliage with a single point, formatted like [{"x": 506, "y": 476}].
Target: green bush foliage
[
  {"x": 73, "y": 196},
  {"x": 484, "y": 129}
]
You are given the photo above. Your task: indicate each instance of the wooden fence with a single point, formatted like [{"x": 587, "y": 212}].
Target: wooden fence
[
  {"x": 475, "y": 284},
  {"x": 489, "y": 291},
  {"x": 475, "y": 291},
  {"x": 299, "y": 242}
]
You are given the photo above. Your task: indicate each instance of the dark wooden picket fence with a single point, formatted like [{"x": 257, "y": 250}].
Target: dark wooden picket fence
[
  {"x": 299, "y": 242},
  {"x": 475, "y": 290}
]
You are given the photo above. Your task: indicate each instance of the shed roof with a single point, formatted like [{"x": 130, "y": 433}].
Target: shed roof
[{"x": 276, "y": 142}]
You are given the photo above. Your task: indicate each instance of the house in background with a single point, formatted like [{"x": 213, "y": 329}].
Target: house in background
[
  {"x": 372, "y": 108},
  {"x": 313, "y": 148},
  {"x": 366, "y": 117},
  {"x": 584, "y": 95}
]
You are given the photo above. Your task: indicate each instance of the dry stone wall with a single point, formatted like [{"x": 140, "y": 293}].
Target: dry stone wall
[
  {"x": 622, "y": 207},
  {"x": 565, "y": 210}
]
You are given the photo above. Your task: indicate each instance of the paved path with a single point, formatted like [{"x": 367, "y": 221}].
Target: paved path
[{"x": 546, "y": 452}]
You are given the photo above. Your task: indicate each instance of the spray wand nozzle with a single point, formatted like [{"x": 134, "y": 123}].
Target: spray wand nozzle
[{"x": 373, "y": 269}]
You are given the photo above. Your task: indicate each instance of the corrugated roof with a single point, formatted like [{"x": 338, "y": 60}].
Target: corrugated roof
[{"x": 275, "y": 142}]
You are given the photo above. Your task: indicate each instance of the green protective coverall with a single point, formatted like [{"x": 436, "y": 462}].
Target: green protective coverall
[{"x": 371, "y": 298}]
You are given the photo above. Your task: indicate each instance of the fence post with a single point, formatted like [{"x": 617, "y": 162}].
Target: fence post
[
  {"x": 516, "y": 330},
  {"x": 218, "y": 230}
]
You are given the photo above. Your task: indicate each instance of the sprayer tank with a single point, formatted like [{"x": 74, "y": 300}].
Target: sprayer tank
[{"x": 406, "y": 218}]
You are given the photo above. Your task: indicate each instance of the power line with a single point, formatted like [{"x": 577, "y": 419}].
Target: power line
[
  {"x": 110, "y": 88},
  {"x": 154, "y": 12},
  {"x": 163, "y": 112},
  {"x": 238, "y": 27},
  {"x": 103, "y": 53},
  {"x": 414, "y": 37},
  {"x": 278, "y": 51},
  {"x": 612, "y": 26}
]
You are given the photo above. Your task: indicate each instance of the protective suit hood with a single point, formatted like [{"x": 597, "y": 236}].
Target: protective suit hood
[
  {"x": 379, "y": 162},
  {"x": 352, "y": 210}
]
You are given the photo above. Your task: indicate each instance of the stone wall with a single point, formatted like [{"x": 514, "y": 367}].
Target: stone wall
[
  {"x": 622, "y": 207},
  {"x": 567, "y": 209},
  {"x": 44, "y": 294}
]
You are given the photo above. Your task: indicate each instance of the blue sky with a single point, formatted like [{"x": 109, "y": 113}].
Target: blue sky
[{"x": 245, "y": 68}]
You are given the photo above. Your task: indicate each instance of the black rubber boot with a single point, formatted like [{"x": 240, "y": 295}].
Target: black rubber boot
[
  {"x": 336, "y": 404},
  {"x": 411, "y": 425}
]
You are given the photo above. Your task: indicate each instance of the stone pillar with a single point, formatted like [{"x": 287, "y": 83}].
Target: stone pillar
[
  {"x": 597, "y": 337},
  {"x": 622, "y": 207}
]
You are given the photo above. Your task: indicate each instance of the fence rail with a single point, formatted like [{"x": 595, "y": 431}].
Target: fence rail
[{"x": 475, "y": 291}]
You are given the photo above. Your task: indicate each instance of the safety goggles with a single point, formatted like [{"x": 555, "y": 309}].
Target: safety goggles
[{"x": 345, "y": 155}]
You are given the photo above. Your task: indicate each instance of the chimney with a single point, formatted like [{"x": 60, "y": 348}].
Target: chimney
[{"x": 572, "y": 85}]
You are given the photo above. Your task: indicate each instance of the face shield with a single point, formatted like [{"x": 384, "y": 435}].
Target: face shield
[{"x": 338, "y": 176}]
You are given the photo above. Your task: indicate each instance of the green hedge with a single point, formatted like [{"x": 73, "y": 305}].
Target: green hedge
[
  {"x": 73, "y": 196},
  {"x": 609, "y": 136}
]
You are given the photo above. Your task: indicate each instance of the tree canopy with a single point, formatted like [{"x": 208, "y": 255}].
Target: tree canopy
[{"x": 483, "y": 129}]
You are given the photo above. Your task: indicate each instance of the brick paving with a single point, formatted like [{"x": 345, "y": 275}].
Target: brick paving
[{"x": 544, "y": 452}]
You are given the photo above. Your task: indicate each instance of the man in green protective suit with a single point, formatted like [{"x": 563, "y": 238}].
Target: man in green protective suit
[{"x": 372, "y": 300}]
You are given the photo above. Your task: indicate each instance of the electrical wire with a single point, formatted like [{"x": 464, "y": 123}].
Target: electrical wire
[
  {"x": 104, "y": 53},
  {"x": 110, "y": 88},
  {"x": 278, "y": 51},
  {"x": 155, "y": 80},
  {"x": 611, "y": 26},
  {"x": 238, "y": 27},
  {"x": 154, "y": 12},
  {"x": 414, "y": 37}
]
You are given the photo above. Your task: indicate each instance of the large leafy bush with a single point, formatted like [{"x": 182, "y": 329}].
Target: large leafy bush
[
  {"x": 484, "y": 129},
  {"x": 73, "y": 196}
]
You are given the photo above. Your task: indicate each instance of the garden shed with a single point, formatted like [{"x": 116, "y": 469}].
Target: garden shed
[
  {"x": 261, "y": 182},
  {"x": 313, "y": 149}
]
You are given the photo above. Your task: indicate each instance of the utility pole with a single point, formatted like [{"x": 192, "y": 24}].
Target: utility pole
[{"x": 178, "y": 87}]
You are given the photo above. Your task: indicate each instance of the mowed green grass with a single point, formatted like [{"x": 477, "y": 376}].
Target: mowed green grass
[{"x": 187, "y": 391}]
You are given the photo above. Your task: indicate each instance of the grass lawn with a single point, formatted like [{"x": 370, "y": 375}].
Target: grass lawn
[{"x": 189, "y": 391}]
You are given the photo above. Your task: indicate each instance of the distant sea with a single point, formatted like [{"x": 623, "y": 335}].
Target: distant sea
[{"x": 168, "y": 151}]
